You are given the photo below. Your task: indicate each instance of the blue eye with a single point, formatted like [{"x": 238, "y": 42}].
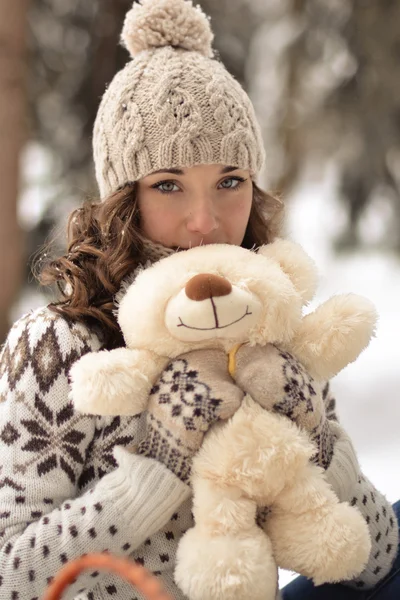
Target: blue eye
[
  {"x": 232, "y": 180},
  {"x": 165, "y": 187}
]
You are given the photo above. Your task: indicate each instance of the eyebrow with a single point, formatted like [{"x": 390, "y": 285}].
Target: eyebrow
[{"x": 180, "y": 172}]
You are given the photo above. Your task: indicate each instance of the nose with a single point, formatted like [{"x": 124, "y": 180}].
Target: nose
[
  {"x": 207, "y": 285},
  {"x": 202, "y": 218}
]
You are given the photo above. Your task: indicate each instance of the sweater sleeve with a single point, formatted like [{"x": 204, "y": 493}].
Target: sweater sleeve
[
  {"x": 350, "y": 484},
  {"x": 43, "y": 520}
]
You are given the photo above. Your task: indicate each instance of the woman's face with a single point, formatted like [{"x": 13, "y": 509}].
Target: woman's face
[{"x": 204, "y": 204}]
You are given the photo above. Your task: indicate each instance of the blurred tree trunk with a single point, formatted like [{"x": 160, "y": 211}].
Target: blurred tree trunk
[{"x": 12, "y": 137}]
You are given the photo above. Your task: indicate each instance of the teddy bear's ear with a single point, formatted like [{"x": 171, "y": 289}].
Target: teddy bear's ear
[{"x": 296, "y": 264}]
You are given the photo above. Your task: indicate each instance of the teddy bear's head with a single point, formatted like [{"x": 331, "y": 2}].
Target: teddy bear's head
[{"x": 216, "y": 296}]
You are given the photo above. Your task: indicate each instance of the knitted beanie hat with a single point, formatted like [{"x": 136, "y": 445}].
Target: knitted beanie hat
[{"x": 173, "y": 104}]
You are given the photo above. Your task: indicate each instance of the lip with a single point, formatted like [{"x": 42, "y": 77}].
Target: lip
[{"x": 182, "y": 324}]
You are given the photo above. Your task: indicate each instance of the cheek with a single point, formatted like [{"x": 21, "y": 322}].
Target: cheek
[
  {"x": 237, "y": 215},
  {"x": 157, "y": 219}
]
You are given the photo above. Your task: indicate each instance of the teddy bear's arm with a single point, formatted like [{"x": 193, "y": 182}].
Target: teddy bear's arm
[
  {"x": 115, "y": 382},
  {"x": 334, "y": 335}
]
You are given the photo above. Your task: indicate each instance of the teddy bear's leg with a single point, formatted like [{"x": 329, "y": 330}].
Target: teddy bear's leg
[
  {"x": 316, "y": 535},
  {"x": 225, "y": 556},
  {"x": 250, "y": 457}
]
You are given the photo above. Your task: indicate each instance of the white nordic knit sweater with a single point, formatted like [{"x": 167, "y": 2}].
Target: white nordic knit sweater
[{"x": 63, "y": 493}]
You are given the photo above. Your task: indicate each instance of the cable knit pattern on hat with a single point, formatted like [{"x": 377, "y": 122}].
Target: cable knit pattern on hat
[{"x": 173, "y": 105}]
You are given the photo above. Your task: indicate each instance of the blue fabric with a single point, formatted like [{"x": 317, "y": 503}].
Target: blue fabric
[{"x": 387, "y": 589}]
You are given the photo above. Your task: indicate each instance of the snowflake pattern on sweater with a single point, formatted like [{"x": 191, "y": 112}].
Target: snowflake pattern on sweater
[{"x": 63, "y": 492}]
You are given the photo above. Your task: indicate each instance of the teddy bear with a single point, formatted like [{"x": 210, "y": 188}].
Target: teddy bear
[{"x": 228, "y": 298}]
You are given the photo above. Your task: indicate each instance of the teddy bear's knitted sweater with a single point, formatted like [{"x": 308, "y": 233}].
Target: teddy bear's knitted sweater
[{"x": 63, "y": 493}]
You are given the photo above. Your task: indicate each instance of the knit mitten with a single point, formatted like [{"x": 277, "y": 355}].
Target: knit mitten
[
  {"x": 193, "y": 392},
  {"x": 279, "y": 382}
]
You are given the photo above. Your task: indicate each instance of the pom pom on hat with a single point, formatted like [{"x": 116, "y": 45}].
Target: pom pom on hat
[{"x": 158, "y": 23}]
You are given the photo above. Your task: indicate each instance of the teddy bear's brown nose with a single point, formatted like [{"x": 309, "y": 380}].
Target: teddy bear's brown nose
[{"x": 207, "y": 285}]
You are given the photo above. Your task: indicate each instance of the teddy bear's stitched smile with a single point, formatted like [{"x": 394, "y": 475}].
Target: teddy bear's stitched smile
[{"x": 218, "y": 326}]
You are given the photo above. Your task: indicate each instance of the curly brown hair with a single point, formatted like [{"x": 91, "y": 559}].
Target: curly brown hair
[{"x": 105, "y": 245}]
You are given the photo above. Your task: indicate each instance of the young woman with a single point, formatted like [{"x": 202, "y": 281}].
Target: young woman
[{"x": 177, "y": 149}]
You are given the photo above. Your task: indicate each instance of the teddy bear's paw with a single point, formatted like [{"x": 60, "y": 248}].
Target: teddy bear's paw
[
  {"x": 103, "y": 384},
  {"x": 335, "y": 334},
  {"x": 226, "y": 567},
  {"x": 328, "y": 545}
]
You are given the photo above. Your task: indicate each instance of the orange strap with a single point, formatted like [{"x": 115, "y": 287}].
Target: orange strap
[{"x": 133, "y": 572}]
